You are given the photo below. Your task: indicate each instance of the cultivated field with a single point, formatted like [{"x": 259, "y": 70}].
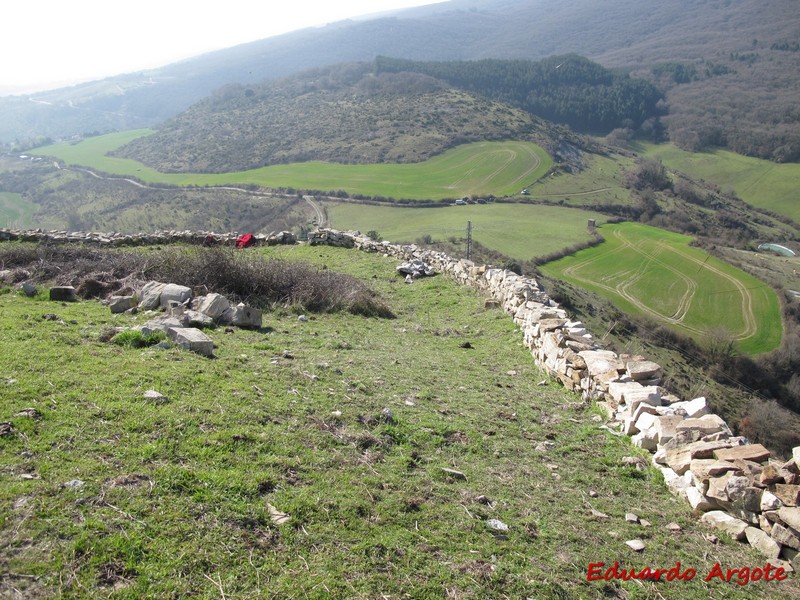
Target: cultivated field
[
  {"x": 655, "y": 273},
  {"x": 499, "y": 168},
  {"x": 762, "y": 183},
  {"x": 521, "y": 231}
]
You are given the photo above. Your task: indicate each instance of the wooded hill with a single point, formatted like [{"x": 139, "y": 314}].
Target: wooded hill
[
  {"x": 393, "y": 111},
  {"x": 742, "y": 56}
]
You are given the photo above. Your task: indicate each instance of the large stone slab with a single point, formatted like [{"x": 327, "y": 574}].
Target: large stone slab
[
  {"x": 699, "y": 501},
  {"x": 694, "y": 409},
  {"x": 600, "y": 362},
  {"x": 754, "y": 452},
  {"x": 175, "y": 293},
  {"x": 643, "y": 370},
  {"x": 242, "y": 316},
  {"x": 120, "y": 304},
  {"x": 150, "y": 296},
  {"x": 214, "y": 305},
  {"x": 721, "y": 520},
  {"x": 706, "y": 425},
  {"x": 788, "y": 494},
  {"x": 785, "y": 536},
  {"x": 762, "y": 542},
  {"x": 790, "y": 515},
  {"x": 192, "y": 339}
]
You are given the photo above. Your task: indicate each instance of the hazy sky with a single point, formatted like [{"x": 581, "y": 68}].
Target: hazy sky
[{"x": 48, "y": 43}]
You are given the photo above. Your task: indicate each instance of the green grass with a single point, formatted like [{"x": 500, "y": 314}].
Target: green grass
[
  {"x": 758, "y": 182},
  {"x": 15, "y": 211},
  {"x": 655, "y": 273},
  {"x": 500, "y": 168},
  {"x": 521, "y": 231},
  {"x": 601, "y": 182},
  {"x": 176, "y": 493}
]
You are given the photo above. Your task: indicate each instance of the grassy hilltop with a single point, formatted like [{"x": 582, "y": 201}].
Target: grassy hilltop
[{"x": 346, "y": 425}]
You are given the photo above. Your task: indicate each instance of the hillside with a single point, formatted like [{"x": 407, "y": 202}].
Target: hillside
[
  {"x": 740, "y": 88},
  {"x": 342, "y": 114},
  {"x": 339, "y": 456}
]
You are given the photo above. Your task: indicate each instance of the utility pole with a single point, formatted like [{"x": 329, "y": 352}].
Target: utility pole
[{"x": 469, "y": 240}]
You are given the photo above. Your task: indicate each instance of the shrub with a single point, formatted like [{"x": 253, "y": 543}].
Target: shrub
[
  {"x": 374, "y": 236},
  {"x": 133, "y": 338},
  {"x": 770, "y": 424}
]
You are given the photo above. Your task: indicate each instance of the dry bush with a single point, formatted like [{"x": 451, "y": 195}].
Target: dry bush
[
  {"x": 243, "y": 277},
  {"x": 770, "y": 424},
  {"x": 249, "y": 278}
]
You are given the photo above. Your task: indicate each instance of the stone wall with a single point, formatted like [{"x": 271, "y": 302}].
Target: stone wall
[
  {"x": 736, "y": 486},
  {"x": 142, "y": 239}
]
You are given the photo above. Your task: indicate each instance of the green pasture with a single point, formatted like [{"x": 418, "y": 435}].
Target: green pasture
[
  {"x": 15, "y": 211},
  {"x": 601, "y": 182},
  {"x": 521, "y": 231},
  {"x": 758, "y": 182},
  {"x": 482, "y": 168},
  {"x": 655, "y": 273}
]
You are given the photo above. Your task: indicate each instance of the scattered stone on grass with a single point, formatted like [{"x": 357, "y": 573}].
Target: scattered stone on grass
[{"x": 635, "y": 545}]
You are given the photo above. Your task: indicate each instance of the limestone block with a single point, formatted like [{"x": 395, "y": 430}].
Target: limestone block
[
  {"x": 788, "y": 494},
  {"x": 699, "y": 470},
  {"x": 646, "y": 420},
  {"x": 754, "y": 452},
  {"x": 790, "y": 516},
  {"x": 192, "y": 339},
  {"x": 150, "y": 296},
  {"x": 762, "y": 542},
  {"x": 674, "y": 482},
  {"x": 600, "y": 362},
  {"x": 242, "y": 316},
  {"x": 174, "y": 293},
  {"x": 730, "y": 525},
  {"x": 213, "y": 305},
  {"x": 785, "y": 536},
  {"x": 706, "y": 425},
  {"x": 161, "y": 324},
  {"x": 694, "y": 409},
  {"x": 645, "y": 439},
  {"x": 643, "y": 370},
  {"x": 666, "y": 426},
  {"x": 120, "y": 304},
  {"x": 770, "y": 501},
  {"x": 698, "y": 501}
]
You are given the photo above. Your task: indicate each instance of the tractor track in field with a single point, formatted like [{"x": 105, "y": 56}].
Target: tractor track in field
[{"x": 631, "y": 277}]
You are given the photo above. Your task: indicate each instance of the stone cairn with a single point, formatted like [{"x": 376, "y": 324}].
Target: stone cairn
[{"x": 736, "y": 486}]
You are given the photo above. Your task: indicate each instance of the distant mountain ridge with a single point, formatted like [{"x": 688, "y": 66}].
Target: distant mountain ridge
[
  {"x": 749, "y": 107},
  {"x": 394, "y": 111}
]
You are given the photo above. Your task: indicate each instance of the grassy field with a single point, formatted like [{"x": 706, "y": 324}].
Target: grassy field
[
  {"x": 106, "y": 493},
  {"x": 600, "y": 183},
  {"x": 762, "y": 183},
  {"x": 499, "y": 168},
  {"x": 655, "y": 273},
  {"x": 521, "y": 231},
  {"x": 15, "y": 211}
]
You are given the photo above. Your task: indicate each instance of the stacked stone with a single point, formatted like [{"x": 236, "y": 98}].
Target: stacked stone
[
  {"x": 185, "y": 314},
  {"x": 141, "y": 239}
]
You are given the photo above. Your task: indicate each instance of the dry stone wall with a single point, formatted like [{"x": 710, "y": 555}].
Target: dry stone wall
[{"x": 737, "y": 487}]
